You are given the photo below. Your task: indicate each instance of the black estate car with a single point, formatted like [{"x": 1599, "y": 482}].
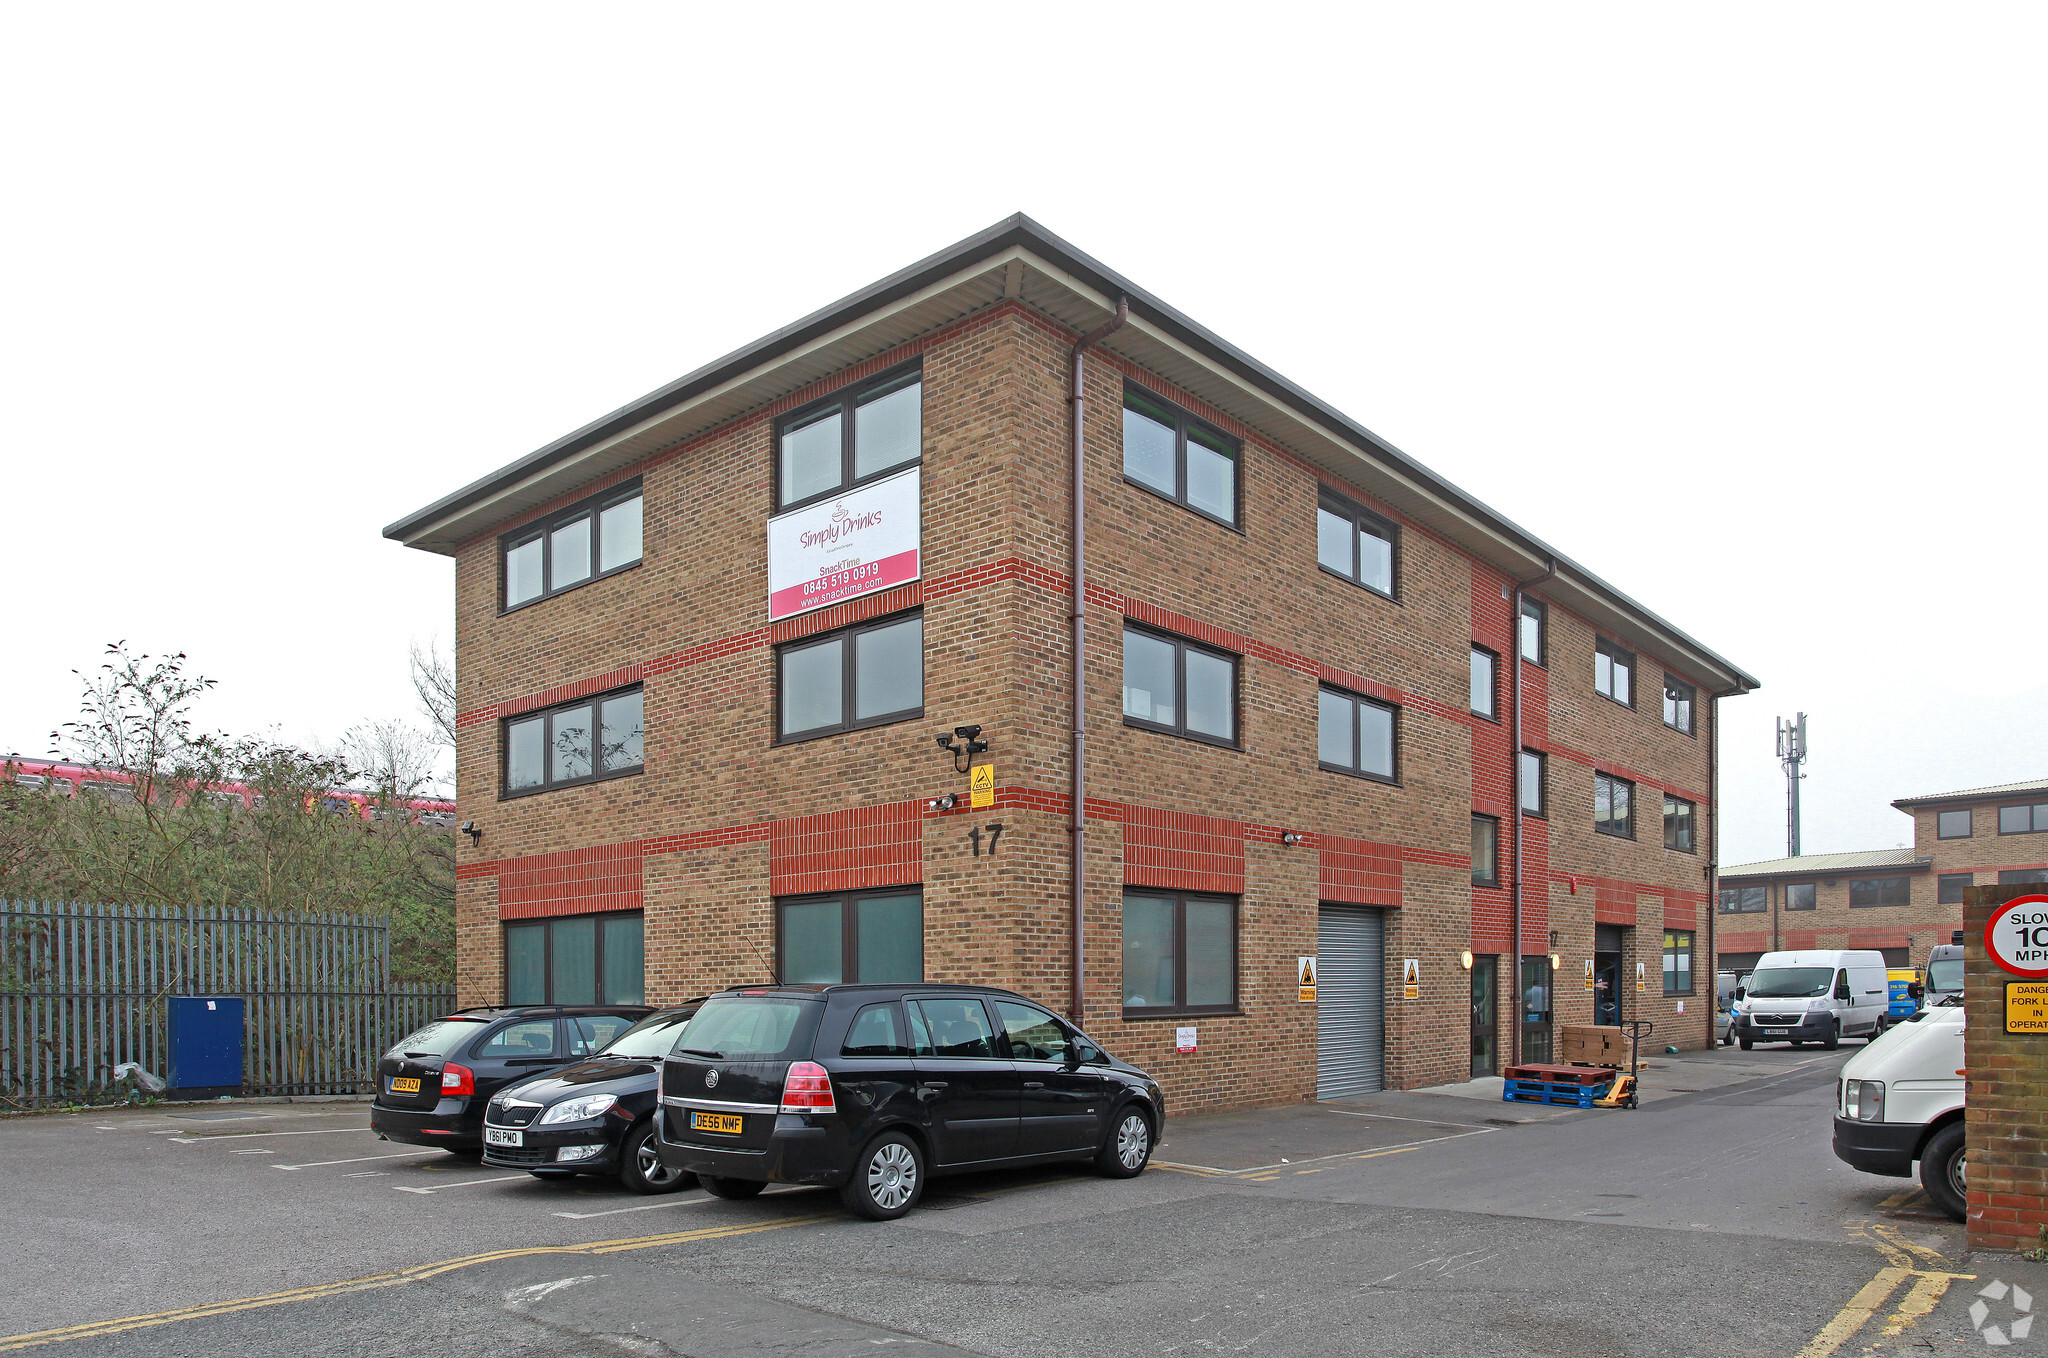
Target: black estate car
[
  {"x": 871, "y": 1089},
  {"x": 431, "y": 1087},
  {"x": 595, "y": 1117}
]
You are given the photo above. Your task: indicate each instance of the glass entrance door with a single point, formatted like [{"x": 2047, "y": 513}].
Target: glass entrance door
[
  {"x": 1536, "y": 1009},
  {"x": 1485, "y": 1026},
  {"x": 1607, "y": 988}
]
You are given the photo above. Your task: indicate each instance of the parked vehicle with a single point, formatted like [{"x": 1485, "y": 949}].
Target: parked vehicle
[
  {"x": 872, "y": 1089},
  {"x": 1944, "y": 971},
  {"x": 1811, "y": 996},
  {"x": 1724, "y": 1026},
  {"x": 432, "y": 1086},
  {"x": 1901, "y": 1100},
  {"x": 594, "y": 1117},
  {"x": 1905, "y": 996}
]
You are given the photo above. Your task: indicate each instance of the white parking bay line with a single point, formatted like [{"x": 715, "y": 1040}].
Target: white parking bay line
[
  {"x": 352, "y": 1160},
  {"x": 237, "y": 1136},
  {"x": 466, "y": 1183},
  {"x": 650, "y": 1206}
]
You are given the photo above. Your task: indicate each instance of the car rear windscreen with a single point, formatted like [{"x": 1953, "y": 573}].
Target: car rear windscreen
[
  {"x": 753, "y": 1028},
  {"x": 438, "y": 1038}
]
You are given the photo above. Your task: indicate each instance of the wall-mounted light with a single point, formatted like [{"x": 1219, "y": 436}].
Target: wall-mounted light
[
  {"x": 1465, "y": 959},
  {"x": 1289, "y": 838},
  {"x": 474, "y": 831},
  {"x": 1555, "y": 962},
  {"x": 945, "y": 803}
]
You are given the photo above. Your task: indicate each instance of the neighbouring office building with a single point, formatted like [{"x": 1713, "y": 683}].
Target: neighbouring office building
[
  {"x": 1899, "y": 901},
  {"x": 1334, "y": 708}
]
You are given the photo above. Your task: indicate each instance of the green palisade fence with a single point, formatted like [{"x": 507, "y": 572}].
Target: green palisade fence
[{"x": 82, "y": 989}]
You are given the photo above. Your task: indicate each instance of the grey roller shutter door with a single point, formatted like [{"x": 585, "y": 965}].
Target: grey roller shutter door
[{"x": 1351, "y": 1010}]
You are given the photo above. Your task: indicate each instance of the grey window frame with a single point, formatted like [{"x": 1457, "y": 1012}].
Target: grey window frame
[
  {"x": 1542, "y": 808},
  {"x": 1539, "y": 612},
  {"x": 2036, "y": 822},
  {"x": 847, "y": 400},
  {"x": 2022, "y": 876},
  {"x": 1958, "y": 882},
  {"x": 1687, "y": 817},
  {"x": 1491, "y": 878},
  {"x": 1363, "y": 520},
  {"x": 849, "y": 928},
  {"x": 1492, "y": 714},
  {"x": 1183, "y": 420},
  {"x": 1763, "y": 900},
  {"x": 1357, "y": 769},
  {"x": 1616, "y": 654},
  {"x": 1969, "y": 814},
  {"x": 1812, "y": 889},
  {"x": 599, "y": 774},
  {"x": 1180, "y": 901},
  {"x": 591, "y": 507},
  {"x": 1880, "y": 883},
  {"x": 847, "y": 676},
  {"x": 1179, "y": 727},
  {"x": 1690, "y": 950},
  {"x": 1614, "y": 779},
  {"x": 546, "y": 924},
  {"x": 1690, "y": 697}
]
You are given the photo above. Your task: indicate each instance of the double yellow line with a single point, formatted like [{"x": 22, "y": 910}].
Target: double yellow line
[
  {"x": 420, "y": 1273},
  {"x": 1903, "y": 1260}
]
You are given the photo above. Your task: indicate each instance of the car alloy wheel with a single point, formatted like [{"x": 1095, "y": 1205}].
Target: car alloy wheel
[
  {"x": 892, "y": 1175},
  {"x": 1133, "y": 1140},
  {"x": 651, "y": 1169}
]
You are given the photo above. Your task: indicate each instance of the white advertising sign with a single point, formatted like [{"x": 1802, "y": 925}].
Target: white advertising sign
[
  {"x": 2017, "y": 937},
  {"x": 1184, "y": 1039},
  {"x": 838, "y": 549}
]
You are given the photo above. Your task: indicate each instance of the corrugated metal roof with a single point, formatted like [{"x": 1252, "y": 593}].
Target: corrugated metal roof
[
  {"x": 1827, "y": 862},
  {"x": 1971, "y": 794}
]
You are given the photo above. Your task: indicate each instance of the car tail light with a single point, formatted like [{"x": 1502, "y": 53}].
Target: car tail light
[
  {"x": 457, "y": 1079},
  {"x": 807, "y": 1089}
]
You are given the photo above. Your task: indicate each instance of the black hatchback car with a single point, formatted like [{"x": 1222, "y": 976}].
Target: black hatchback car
[
  {"x": 594, "y": 1117},
  {"x": 432, "y": 1086},
  {"x": 871, "y": 1089}
]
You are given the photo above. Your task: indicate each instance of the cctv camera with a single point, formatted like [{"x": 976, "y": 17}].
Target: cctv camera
[{"x": 967, "y": 732}]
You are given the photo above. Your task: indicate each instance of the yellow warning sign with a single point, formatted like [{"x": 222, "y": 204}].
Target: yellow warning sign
[
  {"x": 1411, "y": 978},
  {"x": 1639, "y": 978},
  {"x": 1589, "y": 973},
  {"x": 1307, "y": 968},
  {"x": 983, "y": 786},
  {"x": 2026, "y": 1007}
]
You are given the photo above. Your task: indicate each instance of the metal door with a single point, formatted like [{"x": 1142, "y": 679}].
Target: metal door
[
  {"x": 1485, "y": 1026},
  {"x": 1536, "y": 1000},
  {"x": 1351, "y": 1009}
]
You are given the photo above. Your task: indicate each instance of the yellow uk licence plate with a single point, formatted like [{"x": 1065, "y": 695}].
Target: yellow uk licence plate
[
  {"x": 408, "y": 1084},
  {"x": 715, "y": 1122}
]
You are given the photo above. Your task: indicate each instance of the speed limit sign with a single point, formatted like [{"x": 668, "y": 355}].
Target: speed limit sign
[{"x": 2016, "y": 936}]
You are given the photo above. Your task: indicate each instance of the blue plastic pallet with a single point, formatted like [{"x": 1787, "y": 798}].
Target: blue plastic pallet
[{"x": 1555, "y": 1092}]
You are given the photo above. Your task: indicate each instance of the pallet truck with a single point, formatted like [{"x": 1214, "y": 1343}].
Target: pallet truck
[{"x": 1622, "y": 1093}]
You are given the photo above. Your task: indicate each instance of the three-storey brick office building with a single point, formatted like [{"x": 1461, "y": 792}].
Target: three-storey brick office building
[{"x": 706, "y": 643}]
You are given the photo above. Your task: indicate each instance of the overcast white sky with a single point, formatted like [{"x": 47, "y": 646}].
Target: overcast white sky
[{"x": 1741, "y": 307}]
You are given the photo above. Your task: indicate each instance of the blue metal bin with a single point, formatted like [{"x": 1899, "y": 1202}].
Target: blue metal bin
[{"x": 206, "y": 1046}]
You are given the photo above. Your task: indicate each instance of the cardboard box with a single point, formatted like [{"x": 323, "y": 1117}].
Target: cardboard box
[{"x": 1592, "y": 1046}]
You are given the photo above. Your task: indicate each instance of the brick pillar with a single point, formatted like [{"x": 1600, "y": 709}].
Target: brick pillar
[{"x": 2007, "y": 1113}]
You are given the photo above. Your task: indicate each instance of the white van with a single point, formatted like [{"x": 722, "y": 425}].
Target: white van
[
  {"x": 1812, "y": 996},
  {"x": 1901, "y": 1100}
]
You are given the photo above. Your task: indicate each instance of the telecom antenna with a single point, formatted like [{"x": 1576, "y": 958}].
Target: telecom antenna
[{"x": 1791, "y": 754}]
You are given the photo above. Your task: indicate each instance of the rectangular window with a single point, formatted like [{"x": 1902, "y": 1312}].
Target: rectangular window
[
  {"x": 1170, "y": 452},
  {"x": 587, "y": 541},
  {"x": 1955, "y": 824},
  {"x": 580, "y": 742},
  {"x": 1533, "y": 772},
  {"x": 1678, "y": 962},
  {"x": 1678, "y": 704},
  {"x": 2021, "y": 820},
  {"x": 1484, "y": 666},
  {"x": 1614, "y": 672},
  {"x": 1535, "y": 630},
  {"x": 1879, "y": 891},
  {"x": 1355, "y": 543},
  {"x": 1950, "y": 886},
  {"x": 1614, "y": 806},
  {"x": 1485, "y": 851},
  {"x": 1179, "y": 687},
  {"x": 576, "y": 959},
  {"x": 1744, "y": 900},
  {"x": 1354, "y": 735},
  {"x": 1678, "y": 823},
  {"x": 1180, "y": 953},
  {"x": 2022, "y": 876},
  {"x": 873, "y": 936},
  {"x": 859, "y": 434},
  {"x": 1799, "y": 896},
  {"x": 867, "y": 675}
]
